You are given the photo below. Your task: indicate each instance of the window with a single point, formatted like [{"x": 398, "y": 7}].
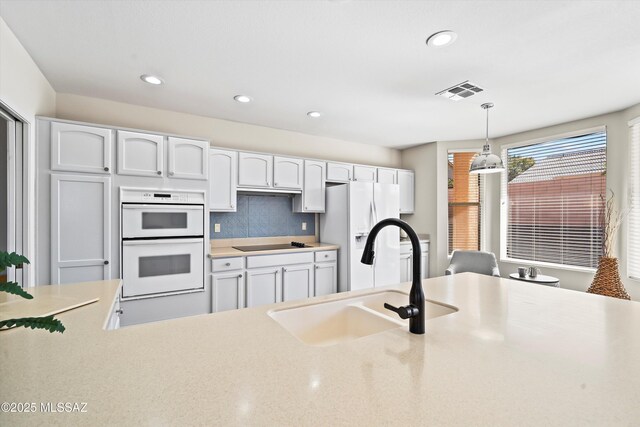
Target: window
[
  {"x": 553, "y": 196},
  {"x": 465, "y": 203},
  {"x": 633, "y": 232}
]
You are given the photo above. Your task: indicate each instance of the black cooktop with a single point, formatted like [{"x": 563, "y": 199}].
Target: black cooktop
[{"x": 292, "y": 245}]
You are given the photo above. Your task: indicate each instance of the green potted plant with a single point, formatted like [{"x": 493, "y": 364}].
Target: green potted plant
[{"x": 49, "y": 323}]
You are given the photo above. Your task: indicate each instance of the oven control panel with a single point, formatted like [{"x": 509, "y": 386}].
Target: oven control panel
[
  {"x": 148, "y": 195},
  {"x": 165, "y": 197}
]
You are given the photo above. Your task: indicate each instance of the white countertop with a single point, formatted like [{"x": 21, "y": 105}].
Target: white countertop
[
  {"x": 514, "y": 354},
  {"x": 223, "y": 252}
]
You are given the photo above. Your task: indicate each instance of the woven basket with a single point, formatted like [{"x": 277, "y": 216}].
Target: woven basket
[{"x": 607, "y": 280}]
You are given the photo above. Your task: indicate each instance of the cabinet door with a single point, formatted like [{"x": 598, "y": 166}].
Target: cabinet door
[
  {"x": 387, "y": 176},
  {"x": 405, "y": 268},
  {"x": 364, "y": 173},
  {"x": 77, "y": 148},
  {"x": 264, "y": 286},
  {"x": 326, "y": 278},
  {"x": 140, "y": 154},
  {"x": 223, "y": 180},
  {"x": 188, "y": 158},
  {"x": 407, "y": 188},
  {"x": 287, "y": 173},
  {"x": 313, "y": 193},
  {"x": 80, "y": 228},
  {"x": 339, "y": 172},
  {"x": 227, "y": 291},
  {"x": 297, "y": 282},
  {"x": 255, "y": 170}
]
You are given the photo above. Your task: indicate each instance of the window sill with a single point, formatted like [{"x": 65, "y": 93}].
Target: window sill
[{"x": 523, "y": 262}]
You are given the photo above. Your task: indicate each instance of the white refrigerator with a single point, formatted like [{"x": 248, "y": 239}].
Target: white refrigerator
[{"x": 351, "y": 211}]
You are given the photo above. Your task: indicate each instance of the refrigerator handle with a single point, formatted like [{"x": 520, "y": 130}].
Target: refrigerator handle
[{"x": 375, "y": 213}]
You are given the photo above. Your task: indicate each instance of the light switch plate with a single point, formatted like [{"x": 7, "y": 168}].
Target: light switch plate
[
  {"x": 216, "y": 228},
  {"x": 304, "y": 225}
]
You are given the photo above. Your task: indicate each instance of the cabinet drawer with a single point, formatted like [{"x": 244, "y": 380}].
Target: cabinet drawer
[
  {"x": 405, "y": 247},
  {"x": 259, "y": 261},
  {"x": 227, "y": 264},
  {"x": 322, "y": 256}
]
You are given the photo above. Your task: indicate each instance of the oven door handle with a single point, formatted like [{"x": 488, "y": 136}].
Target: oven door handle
[
  {"x": 154, "y": 242},
  {"x": 168, "y": 207}
]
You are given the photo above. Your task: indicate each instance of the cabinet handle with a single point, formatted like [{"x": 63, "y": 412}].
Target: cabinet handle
[
  {"x": 326, "y": 255},
  {"x": 228, "y": 264},
  {"x": 159, "y": 172},
  {"x": 106, "y": 262},
  {"x": 275, "y": 184},
  {"x": 232, "y": 206},
  {"x": 171, "y": 173},
  {"x": 239, "y": 275},
  {"x": 306, "y": 207},
  {"x": 119, "y": 311},
  {"x": 355, "y": 179},
  {"x": 106, "y": 169},
  {"x": 317, "y": 266},
  {"x": 284, "y": 269}
]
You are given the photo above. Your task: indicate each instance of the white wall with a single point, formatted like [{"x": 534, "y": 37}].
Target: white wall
[
  {"x": 431, "y": 196},
  {"x": 617, "y": 173},
  {"x": 222, "y": 133},
  {"x": 27, "y": 93}
]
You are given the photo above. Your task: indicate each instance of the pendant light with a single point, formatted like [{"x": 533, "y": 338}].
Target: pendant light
[{"x": 486, "y": 162}]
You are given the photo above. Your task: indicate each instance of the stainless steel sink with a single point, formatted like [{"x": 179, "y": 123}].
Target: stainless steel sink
[{"x": 329, "y": 323}]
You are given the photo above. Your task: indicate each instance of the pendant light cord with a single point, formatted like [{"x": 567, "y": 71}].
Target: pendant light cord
[{"x": 486, "y": 148}]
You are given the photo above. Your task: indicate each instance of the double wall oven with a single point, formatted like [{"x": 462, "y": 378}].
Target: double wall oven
[{"x": 162, "y": 242}]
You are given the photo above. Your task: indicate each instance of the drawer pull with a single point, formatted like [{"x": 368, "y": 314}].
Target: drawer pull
[
  {"x": 326, "y": 255},
  {"x": 228, "y": 264},
  {"x": 239, "y": 275}
]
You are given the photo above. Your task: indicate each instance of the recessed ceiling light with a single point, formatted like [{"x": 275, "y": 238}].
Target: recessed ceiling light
[
  {"x": 243, "y": 98},
  {"x": 442, "y": 38},
  {"x": 151, "y": 79},
  {"x": 314, "y": 114}
]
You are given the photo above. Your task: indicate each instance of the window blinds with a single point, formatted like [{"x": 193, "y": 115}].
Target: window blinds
[
  {"x": 465, "y": 203},
  {"x": 554, "y": 194},
  {"x": 633, "y": 233}
]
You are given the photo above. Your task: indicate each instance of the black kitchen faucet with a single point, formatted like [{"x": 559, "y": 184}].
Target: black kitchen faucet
[{"x": 415, "y": 310}]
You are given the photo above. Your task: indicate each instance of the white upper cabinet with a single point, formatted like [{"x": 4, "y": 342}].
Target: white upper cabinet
[
  {"x": 188, "y": 158},
  {"x": 387, "y": 176},
  {"x": 78, "y": 148},
  {"x": 223, "y": 177},
  {"x": 313, "y": 194},
  {"x": 364, "y": 173},
  {"x": 255, "y": 170},
  {"x": 339, "y": 172},
  {"x": 406, "y": 180},
  {"x": 140, "y": 154},
  {"x": 287, "y": 173}
]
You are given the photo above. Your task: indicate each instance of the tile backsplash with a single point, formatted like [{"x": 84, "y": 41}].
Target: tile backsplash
[{"x": 262, "y": 216}]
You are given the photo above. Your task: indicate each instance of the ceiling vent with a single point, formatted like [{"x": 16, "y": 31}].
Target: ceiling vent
[{"x": 460, "y": 91}]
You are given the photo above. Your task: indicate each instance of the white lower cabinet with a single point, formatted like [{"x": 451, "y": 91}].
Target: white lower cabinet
[
  {"x": 264, "y": 286},
  {"x": 297, "y": 282},
  {"x": 406, "y": 261},
  {"x": 114, "y": 318},
  {"x": 405, "y": 267},
  {"x": 227, "y": 291},
  {"x": 326, "y": 278}
]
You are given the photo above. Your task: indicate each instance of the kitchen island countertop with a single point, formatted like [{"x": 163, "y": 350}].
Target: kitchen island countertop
[{"x": 514, "y": 354}]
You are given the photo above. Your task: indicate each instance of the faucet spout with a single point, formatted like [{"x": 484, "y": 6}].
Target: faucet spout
[{"x": 415, "y": 310}]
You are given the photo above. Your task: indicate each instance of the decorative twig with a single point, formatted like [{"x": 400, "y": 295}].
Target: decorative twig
[{"x": 610, "y": 221}]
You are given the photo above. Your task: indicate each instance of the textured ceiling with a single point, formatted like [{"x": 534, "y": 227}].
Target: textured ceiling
[{"x": 364, "y": 64}]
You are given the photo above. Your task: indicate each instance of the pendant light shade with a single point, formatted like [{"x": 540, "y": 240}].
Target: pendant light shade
[{"x": 486, "y": 162}]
